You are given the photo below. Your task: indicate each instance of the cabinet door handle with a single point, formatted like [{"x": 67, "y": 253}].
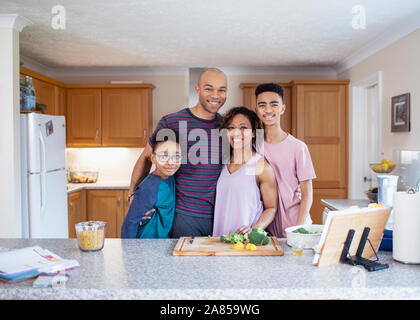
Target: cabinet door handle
[
  {"x": 144, "y": 133},
  {"x": 119, "y": 202},
  {"x": 97, "y": 132}
]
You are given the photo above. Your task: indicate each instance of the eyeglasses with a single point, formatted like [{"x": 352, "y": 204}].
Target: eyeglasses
[{"x": 164, "y": 157}]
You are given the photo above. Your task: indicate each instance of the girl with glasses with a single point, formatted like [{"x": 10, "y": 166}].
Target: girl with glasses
[{"x": 156, "y": 191}]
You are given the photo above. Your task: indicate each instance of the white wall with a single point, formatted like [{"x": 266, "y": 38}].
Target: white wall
[
  {"x": 114, "y": 164},
  {"x": 400, "y": 67},
  {"x": 10, "y": 185}
]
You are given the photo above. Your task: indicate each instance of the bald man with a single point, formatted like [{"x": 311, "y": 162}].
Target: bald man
[{"x": 197, "y": 177}]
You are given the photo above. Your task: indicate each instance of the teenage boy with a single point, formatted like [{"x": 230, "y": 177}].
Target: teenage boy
[
  {"x": 195, "y": 182},
  {"x": 290, "y": 160}
]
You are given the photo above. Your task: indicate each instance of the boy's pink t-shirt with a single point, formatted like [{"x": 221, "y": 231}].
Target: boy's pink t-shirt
[{"x": 292, "y": 164}]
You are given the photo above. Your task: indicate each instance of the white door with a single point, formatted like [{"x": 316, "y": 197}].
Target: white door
[
  {"x": 373, "y": 135},
  {"x": 48, "y": 216},
  {"x": 365, "y": 134}
]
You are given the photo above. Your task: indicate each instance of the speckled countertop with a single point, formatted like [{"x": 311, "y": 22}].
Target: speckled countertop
[
  {"x": 341, "y": 204},
  {"x": 74, "y": 187},
  {"x": 146, "y": 269}
]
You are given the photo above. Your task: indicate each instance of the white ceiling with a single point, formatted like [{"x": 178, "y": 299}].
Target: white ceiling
[{"x": 197, "y": 33}]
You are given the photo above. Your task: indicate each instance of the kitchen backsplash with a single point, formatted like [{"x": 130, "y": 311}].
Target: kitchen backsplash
[
  {"x": 114, "y": 164},
  {"x": 407, "y": 167}
]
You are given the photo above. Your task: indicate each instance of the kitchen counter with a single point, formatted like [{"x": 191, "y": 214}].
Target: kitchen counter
[
  {"x": 146, "y": 269},
  {"x": 74, "y": 187},
  {"x": 341, "y": 204}
]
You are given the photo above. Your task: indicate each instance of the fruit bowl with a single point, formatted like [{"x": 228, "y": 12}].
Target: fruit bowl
[
  {"x": 372, "y": 196},
  {"x": 382, "y": 167}
]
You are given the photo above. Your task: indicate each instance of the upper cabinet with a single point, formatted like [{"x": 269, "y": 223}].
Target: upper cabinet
[
  {"x": 84, "y": 117},
  {"x": 48, "y": 91},
  {"x": 98, "y": 115},
  {"x": 126, "y": 117},
  {"x": 45, "y": 94},
  {"x": 60, "y": 101},
  {"x": 109, "y": 117}
]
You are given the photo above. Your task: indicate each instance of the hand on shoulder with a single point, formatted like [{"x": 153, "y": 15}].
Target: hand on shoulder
[{"x": 263, "y": 170}]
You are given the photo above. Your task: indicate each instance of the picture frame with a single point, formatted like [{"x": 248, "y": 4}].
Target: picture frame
[{"x": 400, "y": 113}]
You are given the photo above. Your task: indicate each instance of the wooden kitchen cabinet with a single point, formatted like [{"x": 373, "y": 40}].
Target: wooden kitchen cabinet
[
  {"x": 45, "y": 94},
  {"x": 60, "y": 101},
  {"x": 76, "y": 210},
  {"x": 109, "y": 117},
  {"x": 108, "y": 206},
  {"x": 319, "y": 118},
  {"x": 83, "y": 117},
  {"x": 126, "y": 204},
  {"x": 249, "y": 101},
  {"x": 47, "y": 91},
  {"x": 321, "y": 122},
  {"x": 98, "y": 115},
  {"x": 126, "y": 117},
  {"x": 318, "y": 208}
]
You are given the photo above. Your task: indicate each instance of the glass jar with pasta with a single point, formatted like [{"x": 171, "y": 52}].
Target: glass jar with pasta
[{"x": 91, "y": 235}]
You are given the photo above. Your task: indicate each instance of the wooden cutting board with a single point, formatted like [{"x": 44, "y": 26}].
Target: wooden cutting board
[{"x": 204, "y": 246}]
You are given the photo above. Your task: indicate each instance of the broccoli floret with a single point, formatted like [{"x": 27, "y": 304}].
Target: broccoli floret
[
  {"x": 304, "y": 231},
  {"x": 265, "y": 241},
  {"x": 225, "y": 239},
  {"x": 301, "y": 230},
  {"x": 236, "y": 237},
  {"x": 258, "y": 236}
]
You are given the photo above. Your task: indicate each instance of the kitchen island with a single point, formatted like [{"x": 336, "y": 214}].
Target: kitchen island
[{"x": 146, "y": 269}]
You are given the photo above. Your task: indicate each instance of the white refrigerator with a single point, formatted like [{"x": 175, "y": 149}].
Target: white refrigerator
[{"x": 44, "y": 192}]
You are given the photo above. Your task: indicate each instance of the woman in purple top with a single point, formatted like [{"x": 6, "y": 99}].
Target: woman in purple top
[{"x": 246, "y": 192}]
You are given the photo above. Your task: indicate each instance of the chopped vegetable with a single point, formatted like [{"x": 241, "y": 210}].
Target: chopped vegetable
[
  {"x": 236, "y": 237},
  {"x": 238, "y": 245},
  {"x": 258, "y": 236},
  {"x": 304, "y": 231},
  {"x": 225, "y": 239},
  {"x": 250, "y": 246}
]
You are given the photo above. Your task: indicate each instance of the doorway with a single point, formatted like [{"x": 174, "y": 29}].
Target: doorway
[{"x": 365, "y": 135}]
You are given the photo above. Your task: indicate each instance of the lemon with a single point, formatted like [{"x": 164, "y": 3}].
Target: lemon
[
  {"x": 238, "y": 245},
  {"x": 251, "y": 246},
  {"x": 384, "y": 167},
  {"x": 376, "y": 168}
]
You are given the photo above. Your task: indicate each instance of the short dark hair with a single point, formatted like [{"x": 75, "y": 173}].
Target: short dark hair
[
  {"x": 251, "y": 115},
  {"x": 155, "y": 142},
  {"x": 269, "y": 87}
]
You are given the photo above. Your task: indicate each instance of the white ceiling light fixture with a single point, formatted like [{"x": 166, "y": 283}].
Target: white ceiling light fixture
[{"x": 127, "y": 82}]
